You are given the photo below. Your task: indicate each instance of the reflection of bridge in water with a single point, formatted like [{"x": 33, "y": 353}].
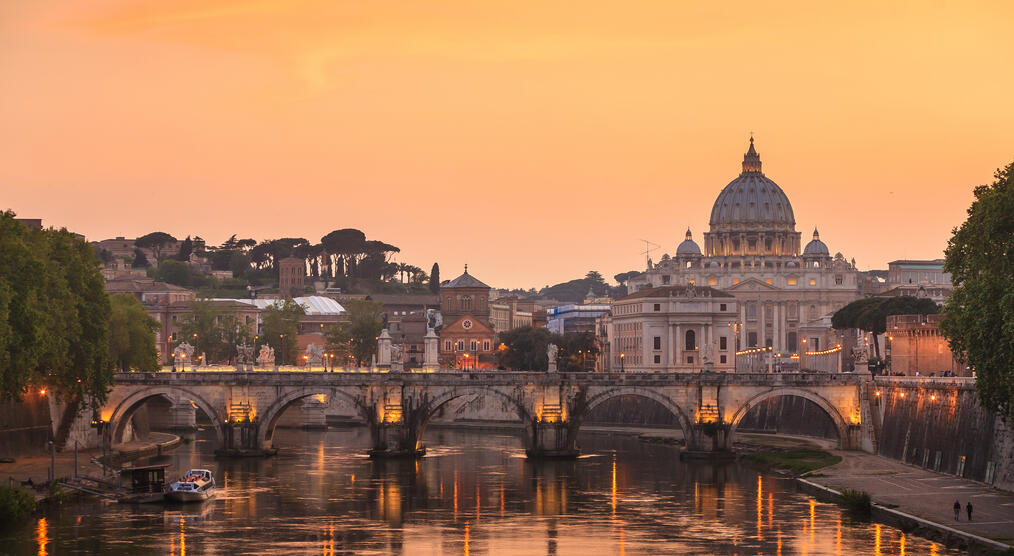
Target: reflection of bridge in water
[{"x": 244, "y": 407}]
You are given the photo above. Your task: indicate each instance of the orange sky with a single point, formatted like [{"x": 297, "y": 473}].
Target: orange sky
[{"x": 533, "y": 140}]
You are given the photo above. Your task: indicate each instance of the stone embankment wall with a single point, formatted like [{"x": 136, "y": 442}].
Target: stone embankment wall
[
  {"x": 938, "y": 424},
  {"x": 24, "y": 427}
]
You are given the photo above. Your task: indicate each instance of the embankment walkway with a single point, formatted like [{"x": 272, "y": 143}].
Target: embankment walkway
[{"x": 923, "y": 493}]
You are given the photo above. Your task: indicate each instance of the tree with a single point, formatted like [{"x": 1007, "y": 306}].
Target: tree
[
  {"x": 280, "y": 328},
  {"x": 578, "y": 351},
  {"x": 870, "y": 313},
  {"x": 622, "y": 277},
  {"x": 186, "y": 249},
  {"x": 979, "y": 314},
  {"x": 177, "y": 273},
  {"x": 435, "y": 279},
  {"x": 54, "y": 315},
  {"x": 357, "y": 338},
  {"x": 155, "y": 241},
  {"x": 524, "y": 349},
  {"x": 140, "y": 259},
  {"x": 200, "y": 328},
  {"x": 132, "y": 335},
  {"x": 233, "y": 332}
]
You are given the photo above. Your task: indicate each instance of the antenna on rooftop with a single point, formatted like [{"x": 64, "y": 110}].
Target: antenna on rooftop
[{"x": 649, "y": 246}]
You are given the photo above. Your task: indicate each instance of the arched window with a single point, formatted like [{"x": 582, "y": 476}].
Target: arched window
[
  {"x": 466, "y": 303},
  {"x": 691, "y": 340}
]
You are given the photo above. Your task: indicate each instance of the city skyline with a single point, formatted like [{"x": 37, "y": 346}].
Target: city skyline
[{"x": 500, "y": 135}]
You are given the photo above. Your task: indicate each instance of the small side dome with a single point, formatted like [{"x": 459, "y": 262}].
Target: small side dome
[
  {"x": 689, "y": 247},
  {"x": 816, "y": 248}
]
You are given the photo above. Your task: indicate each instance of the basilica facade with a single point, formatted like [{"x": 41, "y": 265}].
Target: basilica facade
[{"x": 752, "y": 251}]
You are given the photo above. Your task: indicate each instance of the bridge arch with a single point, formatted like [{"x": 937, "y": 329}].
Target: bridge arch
[
  {"x": 269, "y": 417},
  {"x": 841, "y": 426},
  {"x": 125, "y": 409},
  {"x": 448, "y": 396},
  {"x": 667, "y": 402}
]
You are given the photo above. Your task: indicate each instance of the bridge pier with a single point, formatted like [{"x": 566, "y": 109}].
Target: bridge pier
[
  {"x": 557, "y": 439},
  {"x": 241, "y": 439},
  {"x": 395, "y": 440},
  {"x": 313, "y": 413},
  {"x": 711, "y": 441},
  {"x": 183, "y": 416}
]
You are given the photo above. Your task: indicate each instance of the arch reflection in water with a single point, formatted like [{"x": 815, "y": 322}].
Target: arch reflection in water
[{"x": 624, "y": 496}]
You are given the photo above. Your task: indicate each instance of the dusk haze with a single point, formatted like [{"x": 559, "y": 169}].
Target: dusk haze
[{"x": 485, "y": 277}]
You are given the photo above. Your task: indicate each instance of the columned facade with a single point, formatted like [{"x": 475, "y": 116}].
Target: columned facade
[{"x": 752, "y": 252}]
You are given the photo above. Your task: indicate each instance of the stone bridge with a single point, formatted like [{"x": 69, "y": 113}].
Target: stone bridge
[{"x": 244, "y": 407}]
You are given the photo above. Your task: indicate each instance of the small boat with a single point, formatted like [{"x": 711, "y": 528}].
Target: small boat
[{"x": 196, "y": 486}]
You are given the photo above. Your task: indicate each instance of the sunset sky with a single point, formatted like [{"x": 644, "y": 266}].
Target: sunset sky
[{"x": 532, "y": 140}]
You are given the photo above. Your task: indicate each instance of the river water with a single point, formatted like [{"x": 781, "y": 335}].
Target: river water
[{"x": 473, "y": 493}]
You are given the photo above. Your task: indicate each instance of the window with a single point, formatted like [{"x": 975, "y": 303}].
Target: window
[
  {"x": 658, "y": 342},
  {"x": 813, "y": 281},
  {"x": 690, "y": 360},
  {"x": 473, "y": 345},
  {"x": 767, "y": 281},
  {"x": 793, "y": 310},
  {"x": 791, "y": 281},
  {"x": 838, "y": 279},
  {"x": 790, "y": 339},
  {"x": 658, "y": 359},
  {"x": 723, "y": 343},
  {"x": 485, "y": 345},
  {"x": 712, "y": 281},
  {"x": 658, "y": 307},
  {"x": 466, "y": 303},
  {"x": 461, "y": 345},
  {"x": 735, "y": 281},
  {"x": 666, "y": 278},
  {"x": 691, "y": 340},
  {"x": 691, "y": 281},
  {"x": 751, "y": 339},
  {"x": 751, "y": 310},
  {"x": 721, "y": 306},
  {"x": 721, "y": 359}
]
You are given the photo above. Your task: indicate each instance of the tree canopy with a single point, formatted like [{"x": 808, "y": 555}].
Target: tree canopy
[
  {"x": 357, "y": 338},
  {"x": 279, "y": 329},
  {"x": 132, "y": 335},
  {"x": 526, "y": 349},
  {"x": 979, "y": 314},
  {"x": 870, "y": 313},
  {"x": 156, "y": 241},
  {"x": 576, "y": 290},
  {"x": 435, "y": 279},
  {"x": 54, "y": 314}
]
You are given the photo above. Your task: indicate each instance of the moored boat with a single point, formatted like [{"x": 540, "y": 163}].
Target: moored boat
[{"x": 197, "y": 485}]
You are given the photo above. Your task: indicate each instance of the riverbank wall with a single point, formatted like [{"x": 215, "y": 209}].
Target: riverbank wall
[
  {"x": 25, "y": 427},
  {"x": 937, "y": 424}
]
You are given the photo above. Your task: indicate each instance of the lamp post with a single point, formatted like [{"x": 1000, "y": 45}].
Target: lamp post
[
  {"x": 281, "y": 347},
  {"x": 622, "y": 356}
]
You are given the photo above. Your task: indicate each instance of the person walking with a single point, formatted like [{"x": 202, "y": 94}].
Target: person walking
[
  {"x": 968, "y": 507},
  {"x": 957, "y": 510}
]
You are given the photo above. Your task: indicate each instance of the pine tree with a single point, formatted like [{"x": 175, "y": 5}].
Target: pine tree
[{"x": 435, "y": 279}]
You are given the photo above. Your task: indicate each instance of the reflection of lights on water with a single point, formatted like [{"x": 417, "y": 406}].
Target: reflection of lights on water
[
  {"x": 901, "y": 545},
  {"x": 477, "y": 503},
  {"x": 771, "y": 509},
  {"x": 933, "y": 549},
  {"x": 876, "y": 538},
  {"x": 613, "y": 497},
  {"x": 466, "y": 538},
  {"x": 42, "y": 535},
  {"x": 183, "y": 537},
  {"x": 455, "y": 495},
  {"x": 837, "y": 538},
  {"x": 779, "y": 541},
  {"x": 501, "y": 497},
  {"x": 813, "y": 511},
  {"x": 623, "y": 543},
  {"x": 760, "y": 508}
]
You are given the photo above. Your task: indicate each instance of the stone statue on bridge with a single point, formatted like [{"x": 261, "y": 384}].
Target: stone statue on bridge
[
  {"x": 266, "y": 357},
  {"x": 551, "y": 352},
  {"x": 314, "y": 355},
  {"x": 182, "y": 353},
  {"x": 244, "y": 355}
]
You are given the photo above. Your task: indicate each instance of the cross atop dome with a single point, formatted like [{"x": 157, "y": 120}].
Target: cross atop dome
[
  {"x": 751, "y": 160},
  {"x": 816, "y": 235}
]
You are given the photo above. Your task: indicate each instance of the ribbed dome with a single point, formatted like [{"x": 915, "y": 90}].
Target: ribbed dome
[
  {"x": 753, "y": 199},
  {"x": 816, "y": 247},
  {"x": 688, "y": 246}
]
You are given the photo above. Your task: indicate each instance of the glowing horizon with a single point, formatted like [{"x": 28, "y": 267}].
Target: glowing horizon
[{"x": 533, "y": 141}]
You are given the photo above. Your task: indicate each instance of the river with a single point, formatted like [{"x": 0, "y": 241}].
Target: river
[{"x": 473, "y": 493}]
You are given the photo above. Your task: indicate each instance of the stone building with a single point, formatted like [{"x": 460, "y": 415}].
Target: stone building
[
  {"x": 508, "y": 313},
  {"x": 671, "y": 329},
  {"x": 466, "y": 338},
  {"x": 915, "y": 345},
  {"x": 291, "y": 276},
  {"x": 752, "y": 252}
]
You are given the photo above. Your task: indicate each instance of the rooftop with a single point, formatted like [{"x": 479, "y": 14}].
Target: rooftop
[{"x": 676, "y": 291}]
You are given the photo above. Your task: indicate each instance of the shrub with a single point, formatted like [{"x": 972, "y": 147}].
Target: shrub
[
  {"x": 857, "y": 502},
  {"x": 15, "y": 504}
]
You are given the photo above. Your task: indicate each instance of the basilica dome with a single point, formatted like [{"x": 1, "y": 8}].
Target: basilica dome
[
  {"x": 816, "y": 247},
  {"x": 688, "y": 246},
  {"x": 752, "y": 201}
]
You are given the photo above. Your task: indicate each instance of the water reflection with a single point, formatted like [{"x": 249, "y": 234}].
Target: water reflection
[{"x": 474, "y": 494}]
